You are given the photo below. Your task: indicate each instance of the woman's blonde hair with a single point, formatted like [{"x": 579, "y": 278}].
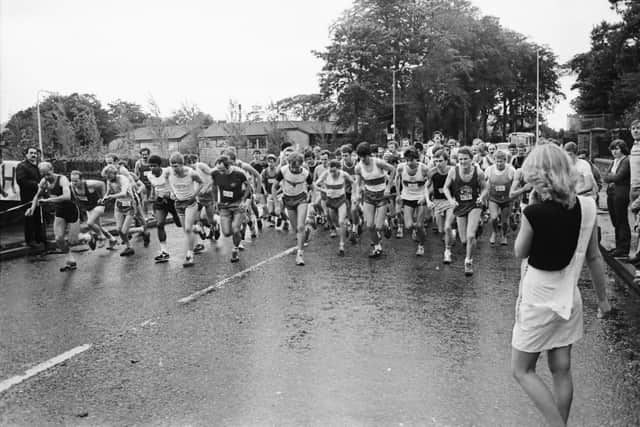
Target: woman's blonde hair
[{"x": 549, "y": 169}]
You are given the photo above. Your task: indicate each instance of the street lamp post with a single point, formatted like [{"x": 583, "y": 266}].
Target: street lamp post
[
  {"x": 537, "y": 96},
  {"x": 393, "y": 96},
  {"x": 39, "y": 120}
]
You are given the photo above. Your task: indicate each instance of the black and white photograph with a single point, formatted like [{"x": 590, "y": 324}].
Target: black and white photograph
[{"x": 320, "y": 213}]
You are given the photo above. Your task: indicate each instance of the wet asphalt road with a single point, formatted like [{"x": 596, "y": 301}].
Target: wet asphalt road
[{"x": 341, "y": 341}]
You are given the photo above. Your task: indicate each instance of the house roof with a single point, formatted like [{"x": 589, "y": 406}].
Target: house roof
[
  {"x": 169, "y": 132},
  {"x": 263, "y": 128}
]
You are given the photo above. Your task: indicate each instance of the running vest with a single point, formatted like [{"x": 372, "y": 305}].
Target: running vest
[
  {"x": 182, "y": 186},
  {"x": 87, "y": 199},
  {"x": 438, "y": 184},
  {"x": 268, "y": 179},
  {"x": 499, "y": 184},
  {"x": 374, "y": 180},
  {"x": 159, "y": 183},
  {"x": 351, "y": 170},
  {"x": 466, "y": 193},
  {"x": 335, "y": 187},
  {"x": 413, "y": 185},
  {"x": 294, "y": 184},
  {"x": 142, "y": 172},
  {"x": 56, "y": 190}
]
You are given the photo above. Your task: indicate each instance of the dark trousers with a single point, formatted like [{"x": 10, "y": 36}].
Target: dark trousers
[
  {"x": 618, "y": 205},
  {"x": 33, "y": 232}
]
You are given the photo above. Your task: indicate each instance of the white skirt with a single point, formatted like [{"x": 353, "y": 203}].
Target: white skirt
[{"x": 537, "y": 327}]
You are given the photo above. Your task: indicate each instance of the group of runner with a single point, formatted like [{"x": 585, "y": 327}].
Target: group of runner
[{"x": 366, "y": 193}]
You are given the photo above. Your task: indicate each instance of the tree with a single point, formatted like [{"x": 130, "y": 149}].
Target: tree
[
  {"x": 305, "y": 107},
  {"x": 451, "y": 67},
  {"x": 608, "y": 75},
  {"x": 69, "y": 127}
]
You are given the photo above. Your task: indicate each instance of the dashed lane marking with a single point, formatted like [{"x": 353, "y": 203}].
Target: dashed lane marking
[
  {"x": 8, "y": 383},
  {"x": 194, "y": 296}
]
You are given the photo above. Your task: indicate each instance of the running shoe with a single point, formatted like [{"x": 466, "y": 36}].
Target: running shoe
[
  {"x": 198, "y": 249},
  {"x": 92, "y": 242},
  {"x": 447, "y": 256},
  {"x": 420, "y": 250},
  {"x": 352, "y": 238},
  {"x": 333, "y": 233},
  {"x": 253, "y": 232},
  {"x": 492, "y": 238},
  {"x": 285, "y": 226},
  {"x": 128, "y": 251},
  {"x": 299, "y": 260},
  {"x": 503, "y": 241},
  {"x": 234, "y": 255},
  {"x": 259, "y": 224},
  {"x": 387, "y": 230},
  {"x": 241, "y": 246},
  {"x": 200, "y": 230},
  {"x": 216, "y": 231},
  {"x": 112, "y": 244},
  {"x": 375, "y": 252},
  {"x": 69, "y": 266},
  {"x": 341, "y": 249},
  {"x": 146, "y": 238},
  {"x": 468, "y": 267},
  {"x": 188, "y": 261},
  {"x": 399, "y": 233},
  {"x": 278, "y": 222},
  {"x": 162, "y": 257}
]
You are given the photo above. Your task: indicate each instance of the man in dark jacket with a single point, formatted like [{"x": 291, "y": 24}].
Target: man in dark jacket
[{"x": 28, "y": 178}]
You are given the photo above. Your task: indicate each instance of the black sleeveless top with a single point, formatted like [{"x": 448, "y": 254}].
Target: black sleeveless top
[
  {"x": 438, "y": 182},
  {"x": 56, "y": 190},
  {"x": 87, "y": 199},
  {"x": 555, "y": 234}
]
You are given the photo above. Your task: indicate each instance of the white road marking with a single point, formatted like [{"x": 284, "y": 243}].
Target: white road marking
[
  {"x": 8, "y": 383},
  {"x": 194, "y": 296}
]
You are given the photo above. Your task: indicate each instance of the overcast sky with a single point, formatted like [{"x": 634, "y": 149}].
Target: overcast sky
[{"x": 207, "y": 52}]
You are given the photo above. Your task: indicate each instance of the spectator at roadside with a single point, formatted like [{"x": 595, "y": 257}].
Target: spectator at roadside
[
  {"x": 586, "y": 184},
  {"x": 634, "y": 175},
  {"x": 28, "y": 178},
  {"x": 617, "y": 179},
  {"x": 584, "y": 155},
  {"x": 3, "y": 192}
]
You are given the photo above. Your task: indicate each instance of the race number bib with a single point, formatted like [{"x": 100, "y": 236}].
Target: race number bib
[
  {"x": 412, "y": 185},
  {"x": 227, "y": 194},
  {"x": 466, "y": 194},
  {"x": 501, "y": 188},
  {"x": 125, "y": 203}
]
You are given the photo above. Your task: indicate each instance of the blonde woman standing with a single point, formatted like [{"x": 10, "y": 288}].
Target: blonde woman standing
[{"x": 557, "y": 235}]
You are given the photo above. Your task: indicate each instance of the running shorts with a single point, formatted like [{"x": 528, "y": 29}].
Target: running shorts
[
  {"x": 182, "y": 205},
  {"x": 335, "y": 203},
  {"x": 412, "y": 203},
  {"x": 68, "y": 211},
  {"x": 441, "y": 206},
  {"x": 231, "y": 209},
  {"x": 124, "y": 206},
  {"x": 205, "y": 200},
  {"x": 502, "y": 205},
  {"x": 292, "y": 202},
  {"x": 375, "y": 198}
]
